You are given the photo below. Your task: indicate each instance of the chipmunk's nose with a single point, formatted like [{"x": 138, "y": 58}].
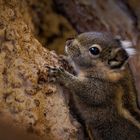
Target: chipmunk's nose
[{"x": 69, "y": 42}]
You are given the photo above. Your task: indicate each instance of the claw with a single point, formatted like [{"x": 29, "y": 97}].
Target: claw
[
  {"x": 52, "y": 79},
  {"x": 49, "y": 67},
  {"x": 54, "y": 68},
  {"x": 61, "y": 69},
  {"x": 53, "y": 72}
]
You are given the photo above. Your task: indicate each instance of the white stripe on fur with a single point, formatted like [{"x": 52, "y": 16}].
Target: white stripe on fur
[{"x": 128, "y": 46}]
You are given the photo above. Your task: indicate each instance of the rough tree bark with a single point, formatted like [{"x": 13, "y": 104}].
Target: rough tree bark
[{"x": 27, "y": 101}]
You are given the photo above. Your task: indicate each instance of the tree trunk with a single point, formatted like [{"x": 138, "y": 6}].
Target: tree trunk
[{"x": 27, "y": 101}]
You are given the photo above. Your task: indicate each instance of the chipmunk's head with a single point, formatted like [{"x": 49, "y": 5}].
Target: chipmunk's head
[{"x": 99, "y": 52}]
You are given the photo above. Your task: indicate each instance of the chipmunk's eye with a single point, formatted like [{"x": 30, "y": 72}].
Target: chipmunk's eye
[{"x": 95, "y": 49}]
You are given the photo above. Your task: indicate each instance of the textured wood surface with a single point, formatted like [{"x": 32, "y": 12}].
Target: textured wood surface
[{"x": 27, "y": 101}]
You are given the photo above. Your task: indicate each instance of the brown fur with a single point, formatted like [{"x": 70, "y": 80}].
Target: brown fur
[{"x": 104, "y": 95}]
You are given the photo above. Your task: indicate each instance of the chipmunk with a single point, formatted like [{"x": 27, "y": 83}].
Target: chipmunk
[{"x": 103, "y": 89}]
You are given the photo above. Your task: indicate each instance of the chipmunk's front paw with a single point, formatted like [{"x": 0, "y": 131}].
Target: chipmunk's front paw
[{"x": 53, "y": 73}]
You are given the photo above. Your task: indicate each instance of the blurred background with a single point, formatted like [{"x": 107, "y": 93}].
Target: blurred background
[{"x": 56, "y": 20}]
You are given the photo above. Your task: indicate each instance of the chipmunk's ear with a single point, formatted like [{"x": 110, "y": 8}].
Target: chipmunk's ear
[
  {"x": 126, "y": 45},
  {"x": 118, "y": 58}
]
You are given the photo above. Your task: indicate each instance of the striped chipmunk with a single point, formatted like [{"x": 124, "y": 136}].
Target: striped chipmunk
[{"x": 103, "y": 89}]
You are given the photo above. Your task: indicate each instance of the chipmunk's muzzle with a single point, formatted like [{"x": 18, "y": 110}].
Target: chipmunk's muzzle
[{"x": 68, "y": 44}]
